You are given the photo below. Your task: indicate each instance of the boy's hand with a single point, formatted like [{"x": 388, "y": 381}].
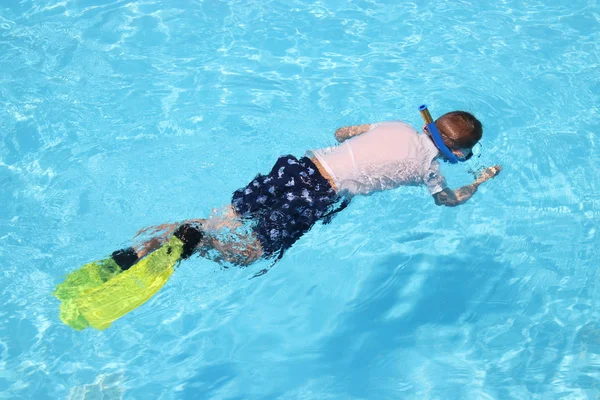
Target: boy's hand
[
  {"x": 453, "y": 198},
  {"x": 488, "y": 174},
  {"x": 347, "y": 132}
]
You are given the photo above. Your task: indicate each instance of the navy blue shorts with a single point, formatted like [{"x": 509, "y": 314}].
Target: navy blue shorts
[{"x": 286, "y": 203}]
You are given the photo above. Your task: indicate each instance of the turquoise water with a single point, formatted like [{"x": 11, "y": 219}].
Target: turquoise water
[{"x": 118, "y": 115}]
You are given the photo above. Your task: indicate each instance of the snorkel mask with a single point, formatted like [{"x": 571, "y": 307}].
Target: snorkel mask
[{"x": 437, "y": 137}]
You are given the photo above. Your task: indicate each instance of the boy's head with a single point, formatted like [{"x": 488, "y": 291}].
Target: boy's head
[{"x": 460, "y": 131}]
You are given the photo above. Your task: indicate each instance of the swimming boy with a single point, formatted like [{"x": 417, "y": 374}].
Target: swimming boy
[{"x": 273, "y": 211}]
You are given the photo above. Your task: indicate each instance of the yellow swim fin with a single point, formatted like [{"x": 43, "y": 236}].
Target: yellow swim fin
[
  {"x": 90, "y": 276},
  {"x": 89, "y": 299}
]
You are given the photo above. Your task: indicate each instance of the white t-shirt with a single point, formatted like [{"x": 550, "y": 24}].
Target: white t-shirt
[{"x": 389, "y": 155}]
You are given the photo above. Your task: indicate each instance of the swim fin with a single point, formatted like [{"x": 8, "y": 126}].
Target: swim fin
[
  {"x": 89, "y": 276},
  {"x": 98, "y": 294}
]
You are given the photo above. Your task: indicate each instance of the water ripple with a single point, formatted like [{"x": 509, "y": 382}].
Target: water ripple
[{"x": 144, "y": 112}]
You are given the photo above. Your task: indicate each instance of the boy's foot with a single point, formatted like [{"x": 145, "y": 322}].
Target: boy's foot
[
  {"x": 190, "y": 234},
  {"x": 125, "y": 258}
]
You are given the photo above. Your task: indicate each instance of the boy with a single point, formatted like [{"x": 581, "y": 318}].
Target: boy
[{"x": 273, "y": 211}]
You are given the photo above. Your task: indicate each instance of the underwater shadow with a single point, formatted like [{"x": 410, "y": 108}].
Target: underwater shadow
[
  {"x": 366, "y": 332},
  {"x": 209, "y": 381}
]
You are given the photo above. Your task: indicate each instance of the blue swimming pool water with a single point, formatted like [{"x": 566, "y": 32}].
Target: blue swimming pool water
[{"x": 117, "y": 115}]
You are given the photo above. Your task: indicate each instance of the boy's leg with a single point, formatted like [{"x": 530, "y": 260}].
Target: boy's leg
[
  {"x": 166, "y": 230},
  {"x": 223, "y": 239},
  {"x": 228, "y": 239}
]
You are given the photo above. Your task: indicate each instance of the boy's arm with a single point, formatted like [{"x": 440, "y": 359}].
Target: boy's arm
[
  {"x": 347, "y": 132},
  {"x": 453, "y": 198}
]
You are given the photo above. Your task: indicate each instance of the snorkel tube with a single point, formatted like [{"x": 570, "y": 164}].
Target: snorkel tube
[{"x": 436, "y": 136}]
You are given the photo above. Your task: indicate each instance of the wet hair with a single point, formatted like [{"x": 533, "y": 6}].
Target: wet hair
[{"x": 461, "y": 127}]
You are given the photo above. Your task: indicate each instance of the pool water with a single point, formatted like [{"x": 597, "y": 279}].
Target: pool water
[{"x": 117, "y": 115}]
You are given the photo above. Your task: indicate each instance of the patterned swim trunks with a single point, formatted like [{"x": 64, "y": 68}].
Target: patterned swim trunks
[{"x": 286, "y": 203}]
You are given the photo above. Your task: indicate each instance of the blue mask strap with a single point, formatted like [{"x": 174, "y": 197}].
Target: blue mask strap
[{"x": 436, "y": 136}]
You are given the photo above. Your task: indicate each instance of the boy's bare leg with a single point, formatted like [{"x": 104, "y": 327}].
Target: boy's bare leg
[
  {"x": 161, "y": 235},
  {"x": 225, "y": 239},
  {"x": 229, "y": 238}
]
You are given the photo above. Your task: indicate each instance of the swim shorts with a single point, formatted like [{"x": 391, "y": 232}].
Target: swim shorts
[{"x": 286, "y": 203}]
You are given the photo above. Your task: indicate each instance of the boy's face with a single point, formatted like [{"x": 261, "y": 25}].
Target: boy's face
[{"x": 462, "y": 154}]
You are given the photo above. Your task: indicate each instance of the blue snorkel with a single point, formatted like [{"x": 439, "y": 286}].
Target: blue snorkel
[{"x": 436, "y": 136}]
